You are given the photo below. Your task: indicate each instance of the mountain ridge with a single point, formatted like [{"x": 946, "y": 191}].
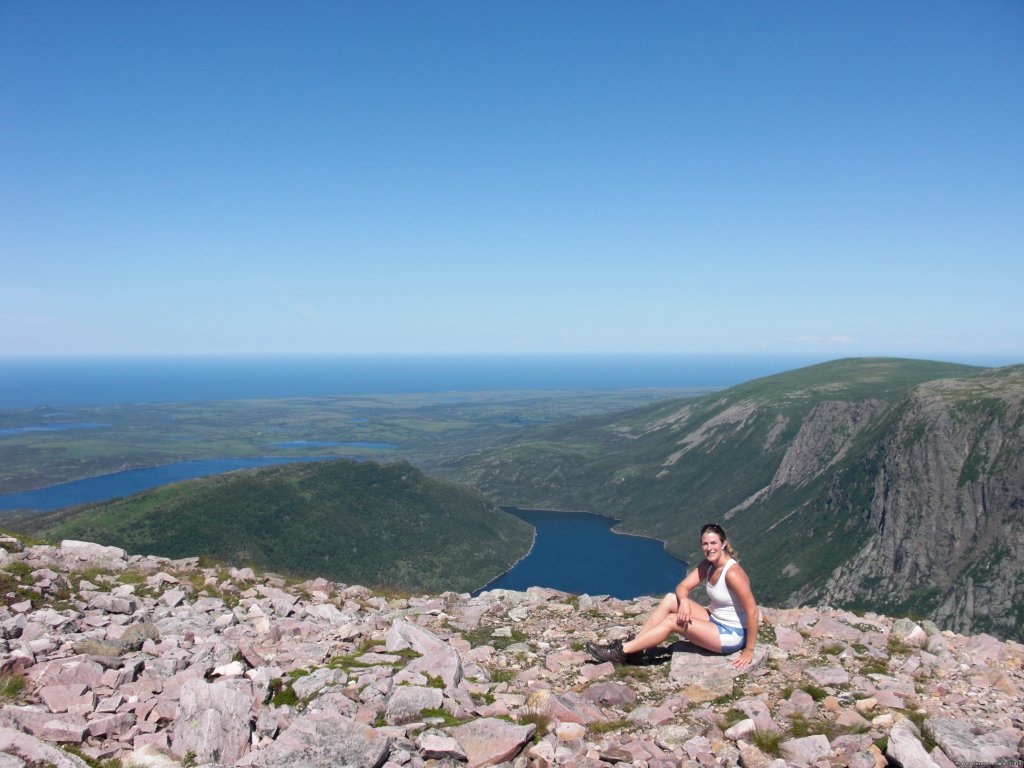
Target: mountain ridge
[
  {"x": 388, "y": 525},
  {"x": 806, "y": 469}
]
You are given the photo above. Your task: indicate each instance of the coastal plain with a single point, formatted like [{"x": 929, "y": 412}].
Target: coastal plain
[{"x": 43, "y": 446}]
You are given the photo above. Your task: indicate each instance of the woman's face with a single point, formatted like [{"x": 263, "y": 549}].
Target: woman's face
[{"x": 712, "y": 545}]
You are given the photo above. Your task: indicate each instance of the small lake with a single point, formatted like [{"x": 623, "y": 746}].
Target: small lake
[
  {"x": 577, "y": 552},
  {"x": 129, "y": 481}
]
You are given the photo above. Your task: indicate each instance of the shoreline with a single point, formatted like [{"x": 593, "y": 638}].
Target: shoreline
[
  {"x": 615, "y": 524},
  {"x": 533, "y": 541}
]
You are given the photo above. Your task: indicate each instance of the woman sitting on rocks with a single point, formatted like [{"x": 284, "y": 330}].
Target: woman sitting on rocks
[{"x": 730, "y": 625}]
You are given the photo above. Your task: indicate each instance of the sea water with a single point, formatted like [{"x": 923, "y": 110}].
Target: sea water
[{"x": 57, "y": 382}]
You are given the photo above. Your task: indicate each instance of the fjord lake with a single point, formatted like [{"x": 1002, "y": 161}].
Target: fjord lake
[{"x": 579, "y": 553}]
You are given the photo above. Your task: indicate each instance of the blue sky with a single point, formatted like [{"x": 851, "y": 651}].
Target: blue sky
[{"x": 533, "y": 177}]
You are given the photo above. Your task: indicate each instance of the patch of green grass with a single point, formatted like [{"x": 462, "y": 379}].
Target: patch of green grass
[
  {"x": 799, "y": 726},
  {"x": 91, "y": 761},
  {"x": 766, "y": 633},
  {"x": 874, "y": 667},
  {"x": 347, "y": 661},
  {"x": 732, "y": 717},
  {"x": 435, "y": 682},
  {"x": 502, "y": 675},
  {"x": 816, "y": 692},
  {"x": 16, "y": 587},
  {"x": 917, "y": 717},
  {"x": 19, "y": 568},
  {"x": 737, "y": 693},
  {"x": 485, "y": 636},
  {"x": 608, "y": 726},
  {"x": 897, "y": 647},
  {"x": 11, "y": 685},
  {"x": 283, "y": 694},
  {"x": 769, "y": 742},
  {"x": 449, "y": 719},
  {"x": 631, "y": 672},
  {"x": 483, "y": 698}
]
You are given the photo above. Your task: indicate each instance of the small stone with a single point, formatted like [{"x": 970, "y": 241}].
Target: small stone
[
  {"x": 866, "y": 705},
  {"x": 744, "y": 729},
  {"x": 570, "y": 731},
  {"x": 807, "y": 749}
]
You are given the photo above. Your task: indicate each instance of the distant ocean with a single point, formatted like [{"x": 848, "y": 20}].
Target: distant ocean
[{"x": 59, "y": 382}]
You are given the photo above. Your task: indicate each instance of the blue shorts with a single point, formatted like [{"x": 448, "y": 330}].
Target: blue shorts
[{"x": 733, "y": 638}]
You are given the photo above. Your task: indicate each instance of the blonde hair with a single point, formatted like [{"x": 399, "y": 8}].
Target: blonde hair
[{"x": 719, "y": 531}]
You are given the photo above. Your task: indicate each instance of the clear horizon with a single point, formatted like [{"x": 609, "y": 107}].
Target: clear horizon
[{"x": 831, "y": 181}]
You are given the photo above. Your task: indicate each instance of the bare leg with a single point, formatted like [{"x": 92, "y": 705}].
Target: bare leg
[{"x": 662, "y": 623}]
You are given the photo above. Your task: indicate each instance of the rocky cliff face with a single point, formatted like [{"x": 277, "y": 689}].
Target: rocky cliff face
[
  {"x": 946, "y": 520},
  {"x": 152, "y": 662}
]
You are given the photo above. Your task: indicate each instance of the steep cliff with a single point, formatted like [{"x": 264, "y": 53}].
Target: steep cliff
[{"x": 947, "y": 529}]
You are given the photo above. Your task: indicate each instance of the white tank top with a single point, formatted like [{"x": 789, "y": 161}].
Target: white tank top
[{"x": 723, "y": 608}]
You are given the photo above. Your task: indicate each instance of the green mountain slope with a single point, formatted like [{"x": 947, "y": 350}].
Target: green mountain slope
[
  {"x": 805, "y": 469},
  {"x": 381, "y": 525}
]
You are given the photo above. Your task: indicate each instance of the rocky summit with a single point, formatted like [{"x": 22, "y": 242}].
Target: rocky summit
[{"x": 117, "y": 660}]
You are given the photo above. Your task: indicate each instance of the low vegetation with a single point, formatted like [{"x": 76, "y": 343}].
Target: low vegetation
[{"x": 343, "y": 520}]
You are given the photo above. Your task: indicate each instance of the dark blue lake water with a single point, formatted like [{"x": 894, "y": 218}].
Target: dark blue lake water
[{"x": 578, "y": 553}]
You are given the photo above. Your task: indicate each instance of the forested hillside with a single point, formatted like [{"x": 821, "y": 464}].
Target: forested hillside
[{"x": 381, "y": 525}]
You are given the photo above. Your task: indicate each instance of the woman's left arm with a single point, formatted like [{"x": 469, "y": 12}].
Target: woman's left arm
[{"x": 739, "y": 584}]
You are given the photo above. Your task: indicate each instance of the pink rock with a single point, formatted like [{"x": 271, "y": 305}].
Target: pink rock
[
  {"x": 324, "y": 738},
  {"x": 64, "y": 731},
  {"x": 158, "y": 740},
  {"x": 849, "y": 718},
  {"x": 662, "y": 715},
  {"x": 488, "y": 741},
  {"x": 60, "y": 698},
  {"x": 906, "y": 749},
  {"x": 610, "y": 694},
  {"x": 744, "y": 729},
  {"x": 110, "y": 703},
  {"x": 77, "y": 670},
  {"x": 36, "y": 751},
  {"x": 828, "y": 675},
  {"x": 596, "y": 671},
  {"x": 888, "y": 699},
  {"x": 213, "y": 720},
  {"x": 443, "y": 662},
  {"x": 807, "y": 749},
  {"x": 437, "y": 747},
  {"x": 112, "y": 725},
  {"x": 788, "y": 639},
  {"x": 567, "y": 707}
]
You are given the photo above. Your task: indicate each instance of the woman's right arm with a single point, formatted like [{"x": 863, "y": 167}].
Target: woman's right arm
[{"x": 685, "y": 612}]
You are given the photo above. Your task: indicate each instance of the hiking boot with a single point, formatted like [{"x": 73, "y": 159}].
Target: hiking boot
[{"x": 613, "y": 652}]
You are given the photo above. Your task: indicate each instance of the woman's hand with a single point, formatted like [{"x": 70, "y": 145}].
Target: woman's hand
[
  {"x": 684, "y": 616},
  {"x": 745, "y": 660}
]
